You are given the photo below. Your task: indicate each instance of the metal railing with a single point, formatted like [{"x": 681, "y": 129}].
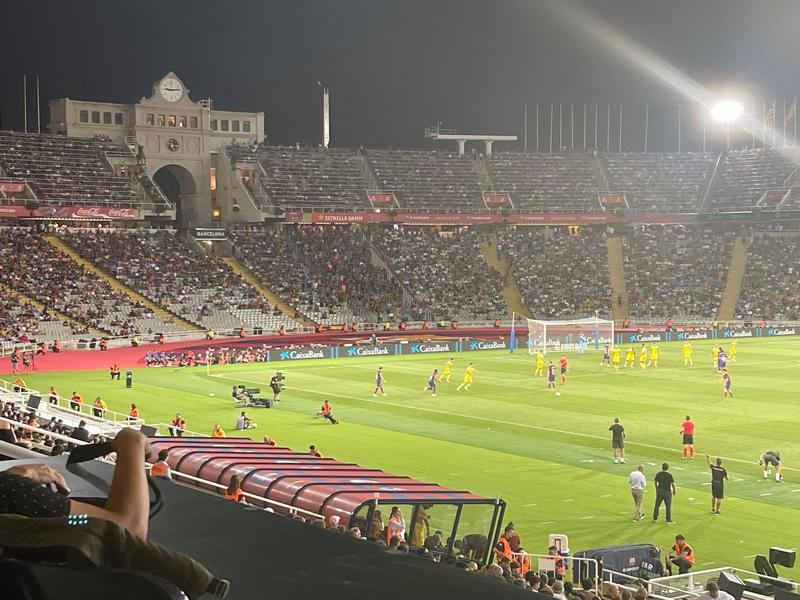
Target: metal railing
[
  {"x": 86, "y": 412},
  {"x": 177, "y": 475},
  {"x": 288, "y": 508},
  {"x": 546, "y": 562},
  {"x": 696, "y": 580},
  {"x": 660, "y": 591}
]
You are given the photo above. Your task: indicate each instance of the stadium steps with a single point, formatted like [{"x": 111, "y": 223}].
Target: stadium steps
[
  {"x": 121, "y": 287},
  {"x": 511, "y": 293},
  {"x": 10, "y": 292},
  {"x": 268, "y": 294},
  {"x": 616, "y": 272},
  {"x": 733, "y": 285},
  {"x": 481, "y": 168}
]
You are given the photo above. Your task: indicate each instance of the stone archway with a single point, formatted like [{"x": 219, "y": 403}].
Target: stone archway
[{"x": 179, "y": 186}]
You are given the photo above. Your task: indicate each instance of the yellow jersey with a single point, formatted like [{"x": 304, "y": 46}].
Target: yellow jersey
[
  {"x": 468, "y": 373},
  {"x": 687, "y": 350},
  {"x": 448, "y": 366},
  {"x": 615, "y": 355}
]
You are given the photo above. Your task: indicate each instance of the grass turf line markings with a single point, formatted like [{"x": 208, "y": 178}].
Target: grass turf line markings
[{"x": 498, "y": 421}]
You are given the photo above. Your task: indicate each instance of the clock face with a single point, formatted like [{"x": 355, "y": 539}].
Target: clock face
[
  {"x": 172, "y": 144},
  {"x": 171, "y": 89}
]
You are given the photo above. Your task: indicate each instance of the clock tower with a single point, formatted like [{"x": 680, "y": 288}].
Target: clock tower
[{"x": 183, "y": 142}]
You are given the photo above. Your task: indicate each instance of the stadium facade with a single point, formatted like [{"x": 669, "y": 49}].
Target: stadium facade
[{"x": 182, "y": 141}]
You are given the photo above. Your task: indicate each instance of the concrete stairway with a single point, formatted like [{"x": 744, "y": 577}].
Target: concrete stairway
[
  {"x": 10, "y": 292},
  {"x": 616, "y": 272},
  {"x": 511, "y": 293},
  {"x": 268, "y": 294},
  {"x": 733, "y": 285},
  {"x": 119, "y": 286}
]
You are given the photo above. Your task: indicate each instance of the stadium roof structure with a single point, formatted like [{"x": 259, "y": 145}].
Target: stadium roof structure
[{"x": 323, "y": 486}]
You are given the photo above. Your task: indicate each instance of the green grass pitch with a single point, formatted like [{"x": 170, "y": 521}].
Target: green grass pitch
[{"x": 549, "y": 457}]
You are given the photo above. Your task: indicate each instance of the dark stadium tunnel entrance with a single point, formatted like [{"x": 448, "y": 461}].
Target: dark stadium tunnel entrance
[{"x": 178, "y": 185}]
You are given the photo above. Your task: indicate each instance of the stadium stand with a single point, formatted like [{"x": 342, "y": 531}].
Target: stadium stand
[
  {"x": 311, "y": 176},
  {"x": 428, "y": 180},
  {"x": 546, "y": 181},
  {"x": 744, "y": 175},
  {"x": 64, "y": 169},
  {"x": 771, "y": 287},
  {"x": 559, "y": 275},
  {"x": 166, "y": 268},
  {"x": 445, "y": 274},
  {"x": 326, "y": 273},
  {"x": 21, "y": 322},
  {"x": 42, "y": 272},
  {"x": 676, "y": 271},
  {"x": 667, "y": 182}
]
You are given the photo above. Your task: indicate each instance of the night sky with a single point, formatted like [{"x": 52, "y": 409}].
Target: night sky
[{"x": 395, "y": 67}]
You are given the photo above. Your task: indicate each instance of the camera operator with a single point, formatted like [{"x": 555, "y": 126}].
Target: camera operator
[
  {"x": 239, "y": 395},
  {"x": 276, "y": 383}
]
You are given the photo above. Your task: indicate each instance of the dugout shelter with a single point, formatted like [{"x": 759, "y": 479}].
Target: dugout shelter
[{"x": 289, "y": 481}]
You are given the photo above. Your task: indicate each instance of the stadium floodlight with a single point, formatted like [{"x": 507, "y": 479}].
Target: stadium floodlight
[{"x": 727, "y": 111}]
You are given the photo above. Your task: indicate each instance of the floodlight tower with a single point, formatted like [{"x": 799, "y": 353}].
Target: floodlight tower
[
  {"x": 326, "y": 115},
  {"x": 727, "y": 112}
]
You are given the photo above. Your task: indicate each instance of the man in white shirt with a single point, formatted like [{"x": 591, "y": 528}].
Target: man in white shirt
[
  {"x": 714, "y": 593},
  {"x": 244, "y": 422},
  {"x": 637, "y": 483}
]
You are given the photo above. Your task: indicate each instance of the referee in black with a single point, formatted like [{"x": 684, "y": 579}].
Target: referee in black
[{"x": 718, "y": 477}]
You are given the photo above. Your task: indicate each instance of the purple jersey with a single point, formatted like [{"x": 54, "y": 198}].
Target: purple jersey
[
  {"x": 551, "y": 373},
  {"x": 721, "y": 359}
]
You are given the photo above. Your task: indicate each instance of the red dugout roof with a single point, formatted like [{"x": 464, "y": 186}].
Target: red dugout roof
[{"x": 320, "y": 485}]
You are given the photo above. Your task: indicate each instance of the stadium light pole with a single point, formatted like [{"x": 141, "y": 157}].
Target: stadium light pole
[{"x": 326, "y": 115}]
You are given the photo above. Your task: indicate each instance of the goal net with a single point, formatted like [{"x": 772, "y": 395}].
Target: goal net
[{"x": 592, "y": 333}]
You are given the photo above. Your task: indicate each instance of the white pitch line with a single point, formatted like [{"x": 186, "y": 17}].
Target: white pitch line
[
  {"x": 766, "y": 494},
  {"x": 606, "y": 495},
  {"x": 529, "y": 505},
  {"x": 587, "y": 517},
  {"x": 569, "y": 500},
  {"x": 546, "y": 522},
  {"x": 501, "y": 422}
]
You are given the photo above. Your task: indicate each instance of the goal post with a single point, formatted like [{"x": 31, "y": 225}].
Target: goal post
[{"x": 592, "y": 333}]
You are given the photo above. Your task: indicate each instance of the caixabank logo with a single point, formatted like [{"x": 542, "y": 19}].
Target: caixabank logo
[
  {"x": 427, "y": 348},
  {"x": 493, "y": 345},
  {"x": 737, "y": 333},
  {"x": 368, "y": 351},
  {"x": 692, "y": 335},
  {"x": 645, "y": 337},
  {"x": 302, "y": 354},
  {"x": 781, "y": 331}
]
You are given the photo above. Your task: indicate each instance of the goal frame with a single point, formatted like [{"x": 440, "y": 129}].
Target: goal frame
[{"x": 593, "y": 328}]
